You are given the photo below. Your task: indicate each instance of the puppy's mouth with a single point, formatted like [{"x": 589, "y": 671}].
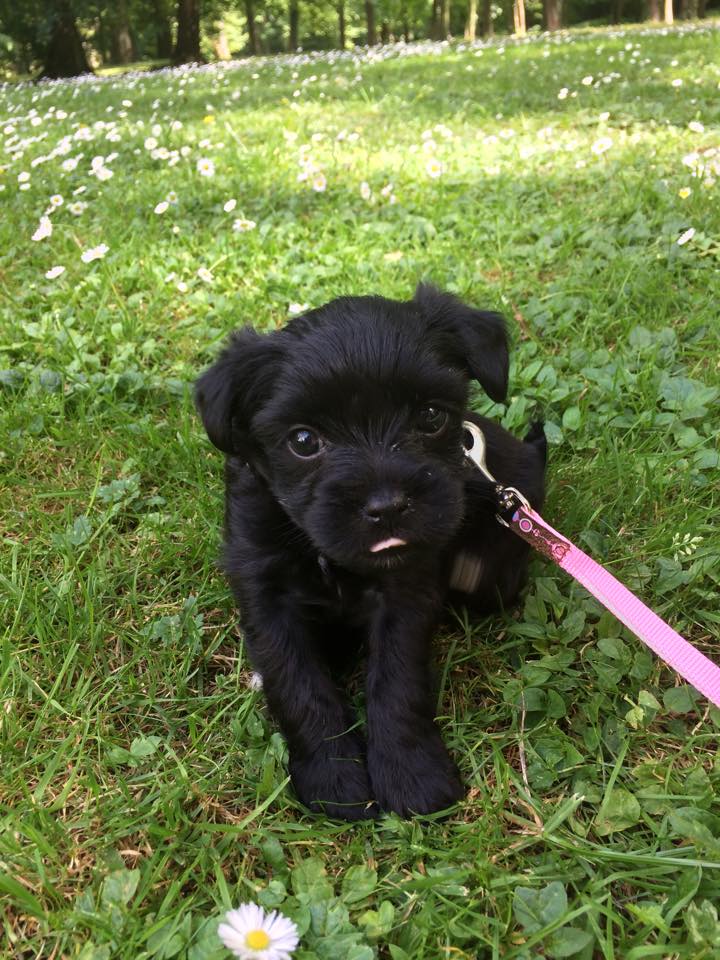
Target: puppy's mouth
[{"x": 392, "y": 543}]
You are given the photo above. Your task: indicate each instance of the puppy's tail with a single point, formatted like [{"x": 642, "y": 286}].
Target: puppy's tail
[{"x": 536, "y": 437}]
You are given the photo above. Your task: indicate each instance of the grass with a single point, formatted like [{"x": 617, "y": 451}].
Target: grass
[{"x": 143, "y": 786}]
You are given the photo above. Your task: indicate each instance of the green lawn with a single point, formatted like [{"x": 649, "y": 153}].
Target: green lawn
[{"x": 143, "y": 788}]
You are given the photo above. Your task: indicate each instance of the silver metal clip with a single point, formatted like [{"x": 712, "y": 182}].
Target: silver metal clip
[{"x": 508, "y": 498}]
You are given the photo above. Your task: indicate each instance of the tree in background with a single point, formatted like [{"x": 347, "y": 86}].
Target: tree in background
[
  {"x": 123, "y": 44},
  {"x": 370, "y": 21},
  {"x": 161, "y": 18},
  {"x": 342, "y": 36},
  {"x": 487, "y": 27},
  {"x": 187, "y": 45},
  {"x": 46, "y": 32},
  {"x": 60, "y": 38},
  {"x": 552, "y": 14},
  {"x": 65, "y": 55}
]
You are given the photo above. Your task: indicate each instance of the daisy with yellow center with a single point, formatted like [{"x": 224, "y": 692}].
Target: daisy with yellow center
[
  {"x": 434, "y": 168},
  {"x": 252, "y": 934}
]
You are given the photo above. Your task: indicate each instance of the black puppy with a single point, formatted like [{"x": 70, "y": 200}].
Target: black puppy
[{"x": 351, "y": 514}]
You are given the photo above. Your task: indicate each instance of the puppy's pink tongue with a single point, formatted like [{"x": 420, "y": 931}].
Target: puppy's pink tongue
[{"x": 387, "y": 544}]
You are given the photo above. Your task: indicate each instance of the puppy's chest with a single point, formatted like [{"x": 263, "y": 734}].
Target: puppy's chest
[{"x": 330, "y": 592}]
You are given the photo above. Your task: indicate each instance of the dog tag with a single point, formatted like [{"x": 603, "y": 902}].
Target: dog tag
[{"x": 466, "y": 572}]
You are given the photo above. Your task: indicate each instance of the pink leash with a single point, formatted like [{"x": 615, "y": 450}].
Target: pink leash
[{"x": 682, "y": 656}]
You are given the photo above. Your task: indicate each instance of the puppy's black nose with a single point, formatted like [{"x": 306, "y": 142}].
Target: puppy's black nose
[{"x": 385, "y": 504}]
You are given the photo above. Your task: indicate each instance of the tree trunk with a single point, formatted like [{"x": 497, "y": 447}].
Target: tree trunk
[
  {"x": 404, "y": 21},
  {"x": 519, "y": 17},
  {"x": 220, "y": 42},
  {"x": 121, "y": 41},
  {"x": 163, "y": 33},
  {"x": 487, "y": 28},
  {"x": 341, "y": 23},
  {"x": 187, "y": 48},
  {"x": 471, "y": 22},
  {"x": 654, "y": 10},
  {"x": 253, "y": 37},
  {"x": 370, "y": 17},
  {"x": 617, "y": 11},
  {"x": 552, "y": 14},
  {"x": 701, "y": 9},
  {"x": 434, "y": 28},
  {"x": 294, "y": 23},
  {"x": 65, "y": 55},
  {"x": 444, "y": 19},
  {"x": 669, "y": 11}
]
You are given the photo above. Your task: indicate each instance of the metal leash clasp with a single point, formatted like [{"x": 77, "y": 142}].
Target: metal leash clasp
[{"x": 508, "y": 498}]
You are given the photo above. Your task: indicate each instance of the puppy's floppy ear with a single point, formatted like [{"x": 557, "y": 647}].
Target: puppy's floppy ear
[
  {"x": 233, "y": 389},
  {"x": 474, "y": 339}
]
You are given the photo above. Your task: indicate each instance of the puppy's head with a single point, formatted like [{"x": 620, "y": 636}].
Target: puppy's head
[{"x": 352, "y": 415}]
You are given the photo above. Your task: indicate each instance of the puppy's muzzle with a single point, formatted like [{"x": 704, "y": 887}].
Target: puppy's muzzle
[{"x": 386, "y": 505}]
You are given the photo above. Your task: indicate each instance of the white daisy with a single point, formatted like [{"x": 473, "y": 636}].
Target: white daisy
[
  {"x": 162, "y": 206},
  {"x": 295, "y": 308},
  {"x": 601, "y": 145},
  {"x": 241, "y": 225},
  {"x": 229, "y": 205},
  {"x": 54, "y": 272},
  {"x": 434, "y": 168},
  {"x": 205, "y": 167},
  {"x": 686, "y": 237},
  {"x": 205, "y": 275},
  {"x": 319, "y": 182},
  {"x": 44, "y": 229},
  {"x": 251, "y": 934},
  {"x": 94, "y": 253}
]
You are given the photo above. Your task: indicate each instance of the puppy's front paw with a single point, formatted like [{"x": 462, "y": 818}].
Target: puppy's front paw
[
  {"x": 334, "y": 784},
  {"x": 421, "y": 779}
]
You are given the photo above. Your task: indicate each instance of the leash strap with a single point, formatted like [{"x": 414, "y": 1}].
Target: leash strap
[
  {"x": 682, "y": 656},
  {"x": 516, "y": 513}
]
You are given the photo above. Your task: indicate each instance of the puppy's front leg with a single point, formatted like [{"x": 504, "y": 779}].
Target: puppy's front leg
[
  {"x": 327, "y": 763},
  {"x": 410, "y": 769}
]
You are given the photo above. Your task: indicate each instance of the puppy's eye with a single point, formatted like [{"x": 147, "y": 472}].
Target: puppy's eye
[
  {"x": 431, "y": 420},
  {"x": 304, "y": 442}
]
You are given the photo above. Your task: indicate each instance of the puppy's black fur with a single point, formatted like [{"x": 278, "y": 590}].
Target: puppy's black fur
[{"x": 343, "y": 433}]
